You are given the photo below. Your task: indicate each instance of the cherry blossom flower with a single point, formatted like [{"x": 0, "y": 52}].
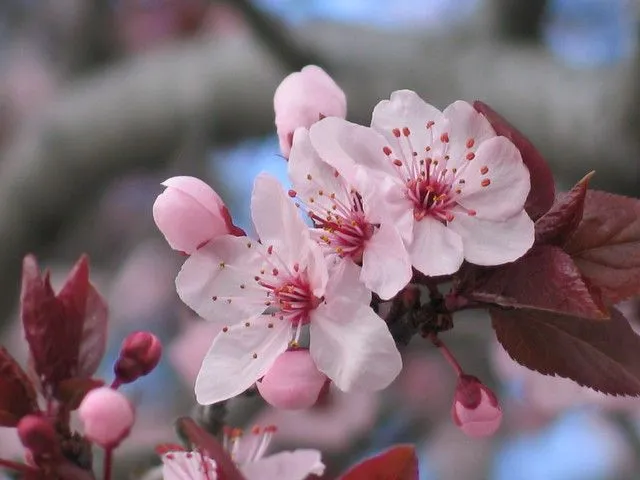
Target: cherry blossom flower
[
  {"x": 302, "y": 99},
  {"x": 349, "y": 222},
  {"x": 475, "y": 409},
  {"x": 233, "y": 280},
  {"x": 454, "y": 188},
  {"x": 249, "y": 456}
]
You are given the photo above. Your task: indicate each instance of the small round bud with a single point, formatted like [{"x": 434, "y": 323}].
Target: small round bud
[
  {"x": 38, "y": 435},
  {"x": 293, "y": 382},
  {"x": 139, "y": 355},
  {"x": 107, "y": 417},
  {"x": 475, "y": 408}
]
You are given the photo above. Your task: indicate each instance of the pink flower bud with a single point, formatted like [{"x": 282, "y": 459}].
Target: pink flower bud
[
  {"x": 38, "y": 435},
  {"x": 293, "y": 382},
  {"x": 475, "y": 408},
  {"x": 189, "y": 213},
  {"x": 107, "y": 417},
  {"x": 302, "y": 99},
  {"x": 139, "y": 355}
]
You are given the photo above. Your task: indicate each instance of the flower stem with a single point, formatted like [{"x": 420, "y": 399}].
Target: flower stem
[
  {"x": 108, "y": 461},
  {"x": 115, "y": 384},
  {"x": 446, "y": 353},
  {"x": 18, "y": 467}
]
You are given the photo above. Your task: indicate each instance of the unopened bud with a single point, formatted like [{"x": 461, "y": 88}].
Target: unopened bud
[
  {"x": 139, "y": 355},
  {"x": 107, "y": 417},
  {"x": 38, "y": 435},
  {"x": 475, "y": 408},
  {"x": 293, "y": 382}
]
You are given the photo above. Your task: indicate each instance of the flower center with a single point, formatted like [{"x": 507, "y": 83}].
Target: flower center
[
  {"x": 430, "y": 198},
  {"x": 249, "y": 448}
]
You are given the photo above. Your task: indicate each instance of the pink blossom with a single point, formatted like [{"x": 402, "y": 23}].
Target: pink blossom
[
  {"x": 304, "y": 97},
  {"x": 348, "y": 221},
  {"x": 233, "y": 280},
  {"x": 293, "y": 382},
  {"x": 475, "y": 408},
  {"x": 454, "y": 189},
  {"x": 107, "y": 416},
  {"x": 249, "y": 454},
  {"x": 139, "y": 355},
  {"x": 189, "y": 213}
]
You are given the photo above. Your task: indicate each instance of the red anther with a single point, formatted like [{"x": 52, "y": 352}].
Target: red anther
[
  {"x": 470, "y": 142},
  {"x": 396, "y": 132},
  {"x": 471, "y": 156},
  {"x": 486, "y": 182},
  {"x": 386, "y": 150},
  {"x": 406, "y": 132},
  {"x": 444, "y": 138},
  {"x": 292, "y": 193}
]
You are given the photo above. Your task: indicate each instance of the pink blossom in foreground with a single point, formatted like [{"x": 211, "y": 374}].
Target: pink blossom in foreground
[
  {"x": 348, "y": 221},
  {"x": 475, "y": 408},
  {"x": 248, "y": 452},
  {"x": 189, "y": 213},
  {"x": 234, "y": 279},
  {"x": 107, "y": 416},
  {"x": 454, "y": 189},
  {"x": 304, "y": 97},
  {"x": 293, "y": 382}
]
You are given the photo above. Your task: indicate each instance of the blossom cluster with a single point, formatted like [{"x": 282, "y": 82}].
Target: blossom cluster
[{"x": 371, "y": 208}]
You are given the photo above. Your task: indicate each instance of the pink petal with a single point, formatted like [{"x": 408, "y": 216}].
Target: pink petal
[
  {"x": 493, "y": 243},
  {"x": 302, "y": 99},
  {"x": 188, "y": 213},
  {"x": 436, "y": 249},
  {"x": 406, "y": 109},
  {"x": 345, "y": 282},
  {"x": 353, "y": 346},
  {"x": 386, "y": 267},
  {"x": 296, "y": 465},
  {"x": 293, "y": 382},
  {"x": 464, "y": 124},
  {"x": 187, "y": 466},
  {"x": 240, "y": 356},
  {"x": 220, "y": 269},
  {"x": 501, "y": 191},
  {"x": 482, "y": 421}
]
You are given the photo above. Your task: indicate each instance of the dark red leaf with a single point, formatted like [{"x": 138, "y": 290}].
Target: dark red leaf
[
  {"x": 72, "y": 390},
  {"x": 94, "y": 333},
  {"x": 73, "y": 298},
  {"x": 163, "y": 448},
  {"x": 17, "y": 394},
  {"x": 208, "y": 444},
  {"x": 606, "y": 244},
  {"x": 544, "y": 279},
  {"x": 542, "y": 192},
  {"x": 556, "y": 226},
  {"x": 603, "y": 355},
  {"x": 398, "y": 463}
]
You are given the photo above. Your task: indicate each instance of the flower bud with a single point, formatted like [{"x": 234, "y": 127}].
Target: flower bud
[
  {"x": 302, "y": 99},
  {"x": 139, "y": 355},
  {"x": 38, "y": 435},
  {"x": 293, "y": 382},
  {"x": 475, "y": 408},
  {"x": 107, "y": 417},
  {"x": 189, "y": 213}
]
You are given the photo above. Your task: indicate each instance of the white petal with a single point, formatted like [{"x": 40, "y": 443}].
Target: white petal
[
  {"x": 508, "y": 179},
  {"x": 406, "y": 109},
  {"x": 220, "y": 269},
  {"x": 310, "y": 174},
  {"x": 493, "y": 243},
  {"x": 239, "y": 357},
  {"x": 343, "y": 145},
  {"x": 386, "y": 267},
  {"x": 187, "y": 466},
  {"x": 465, "y": 123},
  {"x": 353, "y": 346},
  {"x": 344, "y": 281},
  {"x": 296, "y": 465},
  {"x": 278, "y": 222},
  {"x": 436, "y": 249}
]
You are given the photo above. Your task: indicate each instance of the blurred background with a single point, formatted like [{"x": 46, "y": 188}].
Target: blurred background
[{"x": 101, "y": 100}]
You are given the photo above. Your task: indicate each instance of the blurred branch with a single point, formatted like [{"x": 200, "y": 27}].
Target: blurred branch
[
  {"x": 276, "y": 37},
  {"x": 135, "y": 114},
  {"x": 518, "y": 20}
]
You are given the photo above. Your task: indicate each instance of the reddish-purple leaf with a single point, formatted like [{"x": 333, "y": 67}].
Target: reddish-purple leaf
[
  {"x": 556, "y": 226},
  {"x": 603, "y": 355},
  {"x": 72, "y": 390},
  {"x": 542, "y": 192},
  {"x": 397, "y": 463},
  {"x": 17, "y": 394},
  {"x": 544, "y": 279},
  {"x": 606, "y": 244},
  {"x": 94, "y": 333},
  {"x": 208, "y": 444}
]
